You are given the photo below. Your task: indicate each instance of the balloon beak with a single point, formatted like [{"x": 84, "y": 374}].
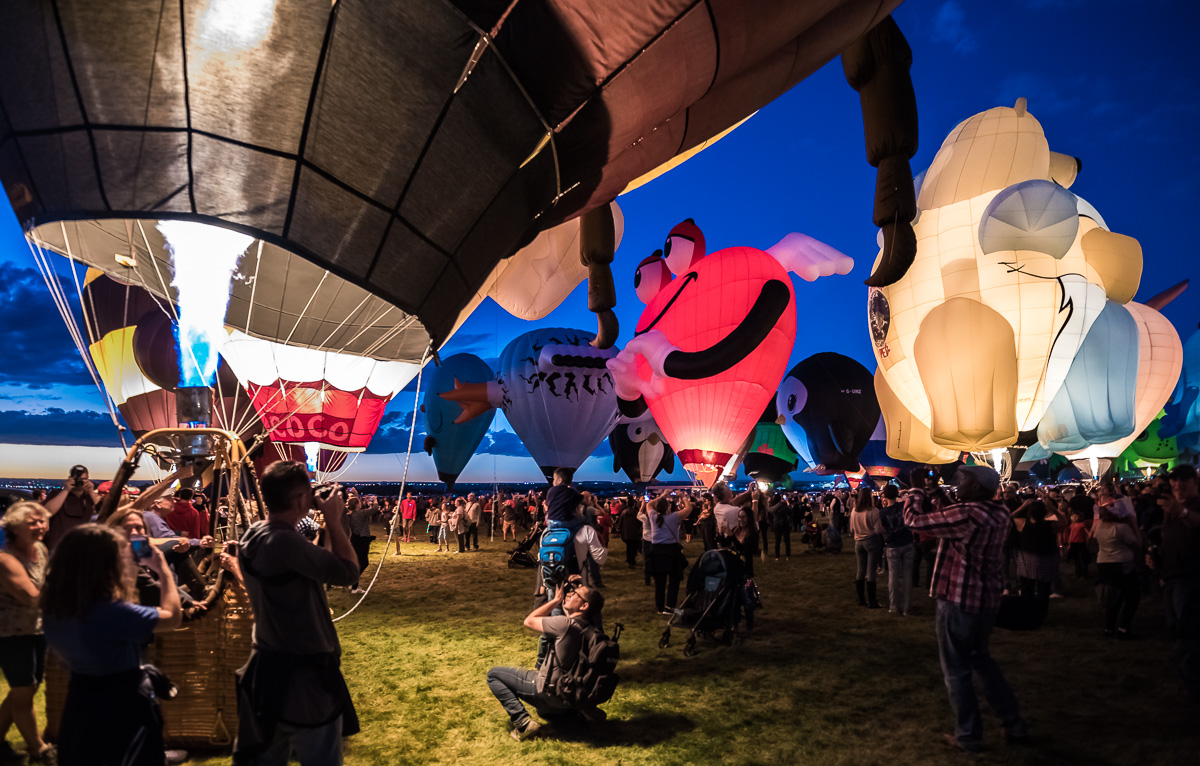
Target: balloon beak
[{"x": 653, "y": 439}]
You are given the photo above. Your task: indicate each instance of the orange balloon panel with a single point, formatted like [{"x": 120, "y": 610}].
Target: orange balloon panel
[{"x": 707, "y": 420}]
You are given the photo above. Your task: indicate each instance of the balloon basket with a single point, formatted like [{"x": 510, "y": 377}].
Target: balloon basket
[{"x": 201, "y": 656}]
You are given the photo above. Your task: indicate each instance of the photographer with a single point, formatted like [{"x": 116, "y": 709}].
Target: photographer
[
  {"x": 514, "y": 687},
  {"x": 72, "y": 505},
  {"x": 291, "y": 694}
]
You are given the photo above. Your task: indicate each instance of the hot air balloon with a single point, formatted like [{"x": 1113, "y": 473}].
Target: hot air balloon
[
  {"x": 975, "y": 337},
  {"x": 713, "y": 342},
  {"x": 768, "y": 456},
  {"x": 111, "y": 311},
  {"x": 309, "y": 396},
  {"x": 829, "y": 410},
  {"x": 639, "y": 448},
  {"x": 554, "y": 390},
  {"x": 451, "y": 444},
  {"x": 385, "y": 158}
]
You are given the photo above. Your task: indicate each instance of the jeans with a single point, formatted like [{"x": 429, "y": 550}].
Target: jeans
[
  {"x": 514, "y": 687},
  {"x": 900, "y": 562},
  {"x": 1182, "y": 596},
  {"x": 867, "y": 553},
  {"x": 1078, "y": 553},
  {"x": 462, "y": 541},
  {"x": 963, "y": 646},
  {"x": 473, "y": 535},
  {"x": 317, "y": 746}
]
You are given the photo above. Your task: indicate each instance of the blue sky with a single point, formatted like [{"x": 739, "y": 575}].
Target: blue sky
[{"x": 1112, "y": 83}]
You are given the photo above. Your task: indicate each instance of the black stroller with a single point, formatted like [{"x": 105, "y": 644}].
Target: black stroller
[
  {"x": 718, "y": 591},
  {"x": 521, "y": 556}
]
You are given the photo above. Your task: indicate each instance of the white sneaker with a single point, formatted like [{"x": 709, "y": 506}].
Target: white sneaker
[{"x": 357, "y": 591}]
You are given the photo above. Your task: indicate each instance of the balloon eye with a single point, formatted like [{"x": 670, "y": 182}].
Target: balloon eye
[
  {"x": 637, "y": 279},
  {"x": 667, "y": 248},
  {"x": 679, "y": 257},
  {"x": 791, "y": 402}
]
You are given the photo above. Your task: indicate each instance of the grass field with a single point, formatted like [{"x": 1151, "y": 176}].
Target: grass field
[{"x": 820, "y": 681}]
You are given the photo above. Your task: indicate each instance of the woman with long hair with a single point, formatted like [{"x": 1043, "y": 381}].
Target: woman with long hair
[
  {"x": 746, "y": 539},
  {"x": 22, "y": 645},
  {"x": 92, "y": 620},
  {"x": 868, "y": 546}
]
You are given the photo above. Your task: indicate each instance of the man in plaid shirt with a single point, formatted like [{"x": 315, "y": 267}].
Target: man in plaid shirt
[{"x": 967, "y": 582}]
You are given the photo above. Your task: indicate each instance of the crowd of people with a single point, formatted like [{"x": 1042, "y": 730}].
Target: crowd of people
[{"x": 96, "y": 589}]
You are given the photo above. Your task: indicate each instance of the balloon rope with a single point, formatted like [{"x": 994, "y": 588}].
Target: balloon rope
[
  {"x": 58, "y": 295},
  {"x": 403, "y": 481}
]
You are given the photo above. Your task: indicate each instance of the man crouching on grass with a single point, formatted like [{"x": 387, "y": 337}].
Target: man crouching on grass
[{"x": 582, "y": 607}]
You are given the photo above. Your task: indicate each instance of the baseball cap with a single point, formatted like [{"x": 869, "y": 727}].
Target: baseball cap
[{"x": 986, "y": 477}]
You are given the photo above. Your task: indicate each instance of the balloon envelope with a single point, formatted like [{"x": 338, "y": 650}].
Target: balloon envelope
[
  {"x": 557, "y": 395},
  {"x": 452, "y": 444},
  {"x": 828, "y": 404}
]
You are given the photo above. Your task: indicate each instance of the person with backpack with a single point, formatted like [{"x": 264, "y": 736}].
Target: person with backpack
[{"x": 579, "y": 673}]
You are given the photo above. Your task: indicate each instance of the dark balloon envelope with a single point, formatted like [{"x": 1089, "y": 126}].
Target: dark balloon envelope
[
  {"x": 405, "y": 148},
  {"x": 830, "y": 410}
]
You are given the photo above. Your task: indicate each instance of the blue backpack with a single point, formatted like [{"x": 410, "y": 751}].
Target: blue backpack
[{"x": 555, "y": 555}]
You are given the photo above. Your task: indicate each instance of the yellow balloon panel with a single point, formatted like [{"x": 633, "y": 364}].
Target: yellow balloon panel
[{"x": 907, "y": 437}]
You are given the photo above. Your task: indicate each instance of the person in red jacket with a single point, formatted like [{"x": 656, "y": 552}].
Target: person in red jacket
[{"x": 184, "y": 517}]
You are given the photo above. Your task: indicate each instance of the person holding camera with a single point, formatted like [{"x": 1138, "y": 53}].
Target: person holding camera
[
  {"x": 967, "y": 582},
  {"x": 291, "y": 693},
  {"x": 93, "y": 621},
  {"x": 581, "y": 606},
  {"x": 74, "y": 504},
  {"x": 22, "y": 645}
]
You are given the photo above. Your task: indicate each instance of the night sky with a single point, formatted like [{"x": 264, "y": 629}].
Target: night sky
[{"x": 1112, "y": 83}]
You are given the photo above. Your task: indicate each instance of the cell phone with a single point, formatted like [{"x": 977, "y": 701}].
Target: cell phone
[{"x": 141, "y": 546}]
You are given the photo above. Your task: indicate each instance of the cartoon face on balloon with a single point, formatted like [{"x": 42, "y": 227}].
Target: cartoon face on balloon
[
  {"x": 713, "y": 342},
  {"x": 975, "y": 338}
]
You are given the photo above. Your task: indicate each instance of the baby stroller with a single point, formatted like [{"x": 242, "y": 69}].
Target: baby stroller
[
  {"x": 520, "y": 557},
  {"x": 717, "y": 592}
]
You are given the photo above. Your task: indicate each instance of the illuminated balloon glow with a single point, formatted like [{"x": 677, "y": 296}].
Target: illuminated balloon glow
[
  {"x": 1182, "y": 419},
  {"x": 305, "y": 395},
  {"x": 713, "y": 342},
  {"x": 976, "y": 338}
]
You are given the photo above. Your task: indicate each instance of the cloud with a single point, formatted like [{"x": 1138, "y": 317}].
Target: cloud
[
  {"x": 37, "y": 349},
  {"x": 84, "y": 428},
  {"x": 949, "y": 27},
  {"x": 392, "y": 434},
  {"x": 502, "y": 443}
]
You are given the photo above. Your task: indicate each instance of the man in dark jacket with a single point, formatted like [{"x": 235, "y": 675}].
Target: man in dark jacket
[{"x": 1179, "y": 567}]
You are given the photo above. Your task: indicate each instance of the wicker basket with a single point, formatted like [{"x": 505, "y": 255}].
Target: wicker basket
[{"x": 200, "y": 658}]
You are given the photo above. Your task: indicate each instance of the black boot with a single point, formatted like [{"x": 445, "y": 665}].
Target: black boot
[
  {"x": 871, "y": 602},
  {"x": 858, "y": 586}
]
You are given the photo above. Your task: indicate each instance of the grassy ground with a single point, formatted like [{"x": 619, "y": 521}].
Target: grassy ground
[{"x": 820, "y": 681}]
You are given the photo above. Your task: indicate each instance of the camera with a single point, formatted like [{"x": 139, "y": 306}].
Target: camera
[
  {"x": 76, "y": 474},
  {"x": 325, "y": 490}
]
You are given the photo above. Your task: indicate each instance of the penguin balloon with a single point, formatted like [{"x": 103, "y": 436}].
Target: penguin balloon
[
  {"x": 451, "y": 443},
  {"x": 639, "y": 449},
  {"x": 830, "y": 411}
]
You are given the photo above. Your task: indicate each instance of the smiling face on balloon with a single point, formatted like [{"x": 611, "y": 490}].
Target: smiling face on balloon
[{"x": 701, "y": 303}]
